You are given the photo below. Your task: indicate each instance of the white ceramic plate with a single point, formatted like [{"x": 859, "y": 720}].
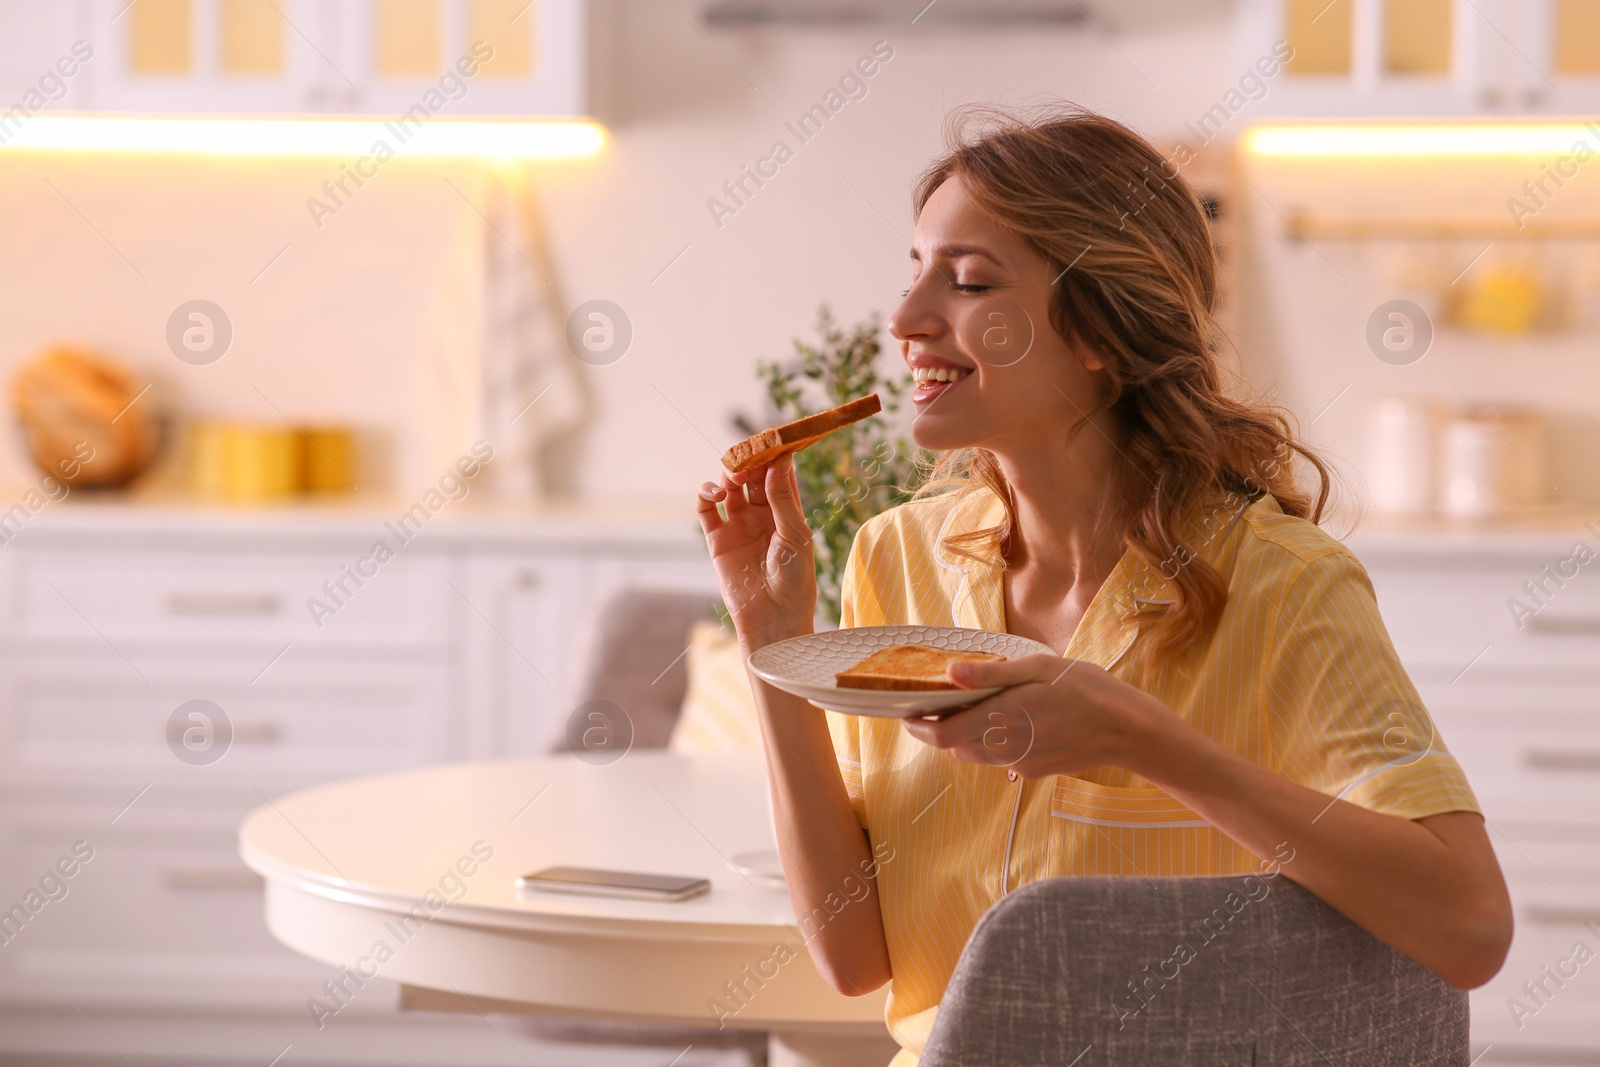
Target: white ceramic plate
[{"x": 805, "y": 666}]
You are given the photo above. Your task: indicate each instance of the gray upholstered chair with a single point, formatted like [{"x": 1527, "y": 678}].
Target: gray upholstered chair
[
  {"x": 1089, "y": 972},
  {"x": 634, "y": 658}
]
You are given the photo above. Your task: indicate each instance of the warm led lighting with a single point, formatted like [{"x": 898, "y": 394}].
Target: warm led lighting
[
  {"x": 454, "y": 138},
  {"x": 1503, "y": 139}
]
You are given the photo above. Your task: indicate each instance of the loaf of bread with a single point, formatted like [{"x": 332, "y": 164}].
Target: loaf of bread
[
  {"x": 74, "y": 404},
  {"x": 914, "y": 668},
  {"x": 768, "y": 445}
]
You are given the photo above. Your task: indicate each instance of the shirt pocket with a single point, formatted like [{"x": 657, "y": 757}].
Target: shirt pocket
[
  {"x": 1099, "y": 829},
  {"x": 1127, "y": 807}
]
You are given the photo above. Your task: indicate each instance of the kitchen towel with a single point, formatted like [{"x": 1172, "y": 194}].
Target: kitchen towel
[
  {"x": 493, "y": 364},
  {"x": 532, "y": 391}
]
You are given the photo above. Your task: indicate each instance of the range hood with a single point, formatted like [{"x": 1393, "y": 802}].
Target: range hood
[
  {"x": 1120, "y": 14},
  {"x": 829, "y": 12}
]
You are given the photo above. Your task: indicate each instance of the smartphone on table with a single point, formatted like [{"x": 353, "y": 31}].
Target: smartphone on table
[{"x": 633, "y": 885}]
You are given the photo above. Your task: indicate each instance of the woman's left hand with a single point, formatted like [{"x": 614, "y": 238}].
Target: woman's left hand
[{"x": 1059, "y": 716}]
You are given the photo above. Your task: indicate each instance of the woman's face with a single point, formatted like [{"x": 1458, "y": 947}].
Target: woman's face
[{"x": 977, "y": 315}]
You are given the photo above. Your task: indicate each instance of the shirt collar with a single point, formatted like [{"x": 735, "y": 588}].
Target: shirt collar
[
  {"x": 1134, "y": 587},
  {"x": 979, "y": 600}
]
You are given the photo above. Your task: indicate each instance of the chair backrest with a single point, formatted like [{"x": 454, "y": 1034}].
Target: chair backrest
[
  {"x": 635, "y": 658},
  {"x": 1204, "y": 972}
]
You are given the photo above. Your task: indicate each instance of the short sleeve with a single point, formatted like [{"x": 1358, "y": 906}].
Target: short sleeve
[
  {"x": 846, "y": 729},
  {"x": 1343, "y": 715}
]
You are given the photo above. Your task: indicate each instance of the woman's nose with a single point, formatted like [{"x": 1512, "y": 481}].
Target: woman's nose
[{"x": 913, "y": 317}]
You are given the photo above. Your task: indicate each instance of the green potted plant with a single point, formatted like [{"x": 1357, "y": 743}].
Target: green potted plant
[{"x": 858, "y": 472}]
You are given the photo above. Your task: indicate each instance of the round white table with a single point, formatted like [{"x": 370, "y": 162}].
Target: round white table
[{"x": 410, "y": 877}]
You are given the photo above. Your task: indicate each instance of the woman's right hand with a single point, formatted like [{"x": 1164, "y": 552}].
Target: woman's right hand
[{"x": 762, "y": 552}]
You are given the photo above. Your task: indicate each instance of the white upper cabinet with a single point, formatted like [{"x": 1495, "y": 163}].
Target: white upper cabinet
[
  {"x": 455, "y": 58},
  {"x": 44, "y": 60},
  {"x": 1402, "y": 58}
]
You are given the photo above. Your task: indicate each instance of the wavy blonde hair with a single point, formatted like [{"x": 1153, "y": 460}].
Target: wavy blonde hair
[{"x": 1138, "y": 287}]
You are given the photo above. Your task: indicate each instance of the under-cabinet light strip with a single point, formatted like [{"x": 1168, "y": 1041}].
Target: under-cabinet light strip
[
  {"x": 439, "y": 138},
  {"x": 1481, "y": 139}
]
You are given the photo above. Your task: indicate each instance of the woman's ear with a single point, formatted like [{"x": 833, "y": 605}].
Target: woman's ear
[{"x": 1091, "y": 360}]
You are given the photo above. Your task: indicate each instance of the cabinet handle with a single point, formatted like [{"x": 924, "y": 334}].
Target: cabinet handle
[
  {"x": 209, "y": 876},
  {"x": 223, "y": 604},
  {"x": 257, "y": 731},
  {"x": 1564, "y": 624},
  {"x": 1547, "y": 759},
  {"x": 1544, "y": 915}
]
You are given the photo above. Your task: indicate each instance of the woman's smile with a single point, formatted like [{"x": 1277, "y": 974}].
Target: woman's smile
[{"x": 933, "y": 381}]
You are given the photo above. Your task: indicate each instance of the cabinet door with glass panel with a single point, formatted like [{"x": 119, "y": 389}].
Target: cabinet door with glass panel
[
  {"x": 1404, "y": 58},
  {"x": 452, "y": 58}
]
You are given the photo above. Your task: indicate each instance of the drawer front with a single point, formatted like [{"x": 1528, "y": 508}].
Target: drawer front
[
  {"x": 1532, "y": 754},
  {"x": 162, "y": 913},
  {"x": 297, "y": 722},
  {"x": 1555, "y": 893},
  {"x": 1446, "y": 618},
  {"x": 209, "y": 598}
]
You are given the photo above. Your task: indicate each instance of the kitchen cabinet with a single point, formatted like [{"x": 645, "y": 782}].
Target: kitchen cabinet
[
  {"x": 522, "y": 612},
  {"x": 153, "y": 920},
  {"x": 1519, "y": 707},
  {"x": 85, "y": 721},
  {"x": 38, "y": 67},
  {"x": 525, "y": 622},
  {"x": 219, "y": 597},
  {"x": 114, "y": 618},
  {"x": 1410, "y": 58},
  {"x": 463, "y": 648},
  {"x": 385, "y": 58}
]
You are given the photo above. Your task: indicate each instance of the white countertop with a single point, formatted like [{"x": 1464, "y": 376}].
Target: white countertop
[
  {"x": 1546, "y": 532},
  {"x": 482, "y": 520},
  {"x": 476, "y": 518}
]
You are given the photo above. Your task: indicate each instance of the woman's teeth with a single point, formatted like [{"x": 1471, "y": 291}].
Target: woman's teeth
[{"x": 939, "y": 374}]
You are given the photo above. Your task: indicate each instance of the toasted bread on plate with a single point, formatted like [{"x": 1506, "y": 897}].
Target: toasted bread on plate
[{"x": 907, "y": 667}]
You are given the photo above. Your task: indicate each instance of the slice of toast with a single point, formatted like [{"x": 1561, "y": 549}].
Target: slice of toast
[
  {"x": 907, "y": 667},
  {"x": 768, "y": 445}
]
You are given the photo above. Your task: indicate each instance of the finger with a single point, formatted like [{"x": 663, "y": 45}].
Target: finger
[
  {"x": 744, "y": 485},
  {"x": 783, "y": 492},
  {"x": 976, "y": 674},
  {"x": 998, "y": 732},
  {"x": 755, "y": 487},
  {"x": 706, "y": 505},
  {"x": 733, "y": 488},
  {"x": 952, "y": 731}
]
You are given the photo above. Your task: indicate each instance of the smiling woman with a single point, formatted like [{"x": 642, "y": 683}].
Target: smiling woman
[
  {"x": 1226, "y": 690},
  {"x": 1117, "y": 282}
]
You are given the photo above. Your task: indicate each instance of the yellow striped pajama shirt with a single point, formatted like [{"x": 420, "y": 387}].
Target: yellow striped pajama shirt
[{"x": 1300, "y": 677}]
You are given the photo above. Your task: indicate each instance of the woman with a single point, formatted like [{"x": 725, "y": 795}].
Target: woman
[{"x": 1226, "y": 695}]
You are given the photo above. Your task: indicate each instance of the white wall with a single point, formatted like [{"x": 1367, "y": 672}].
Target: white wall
[{"x": 833, "y": 226}]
